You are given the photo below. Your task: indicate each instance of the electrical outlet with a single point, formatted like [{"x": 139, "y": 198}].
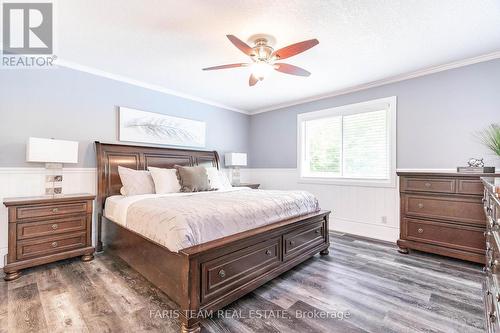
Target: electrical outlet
[{"x": 383, "y": 219}]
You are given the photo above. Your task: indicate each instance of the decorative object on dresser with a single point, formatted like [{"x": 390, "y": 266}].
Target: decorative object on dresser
[
  {"x": 251, "y": 185},
  {"x": 45, "y": 229},
  {"x": 208, "y": 276},
  {"x": 476, "y": 165},
  {"x": 53, "y": 153},
  {"x": 149, "y": 127},
  {"x": 491, "y": 283},
  {"x": 442, "y": 213},
  {"x": 235, "y": 161}
]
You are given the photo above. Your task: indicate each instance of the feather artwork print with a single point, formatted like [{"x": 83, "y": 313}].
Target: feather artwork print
[{"x": 141, "y": 126}]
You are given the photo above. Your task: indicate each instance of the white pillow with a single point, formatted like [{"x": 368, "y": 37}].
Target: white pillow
[
  {"x": 218, "y": 179},
  {"x": 165, "y": 180},
  {"x": 135, "y": 182}
]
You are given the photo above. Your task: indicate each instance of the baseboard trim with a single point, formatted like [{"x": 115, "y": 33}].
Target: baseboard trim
[{"x": 371, "y": 239}]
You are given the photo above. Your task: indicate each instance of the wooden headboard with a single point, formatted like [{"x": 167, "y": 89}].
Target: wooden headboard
[{"x": 110, "y": 156}]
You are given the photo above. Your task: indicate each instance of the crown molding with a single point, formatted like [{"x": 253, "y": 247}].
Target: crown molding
[
  {"x": 388, "y": 80},
  {"x": 142, "y": 84},
  {"x": 364, "y": 86}
]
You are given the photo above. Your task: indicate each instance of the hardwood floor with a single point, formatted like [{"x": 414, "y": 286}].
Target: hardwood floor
[{"x": 370, "y": 284}]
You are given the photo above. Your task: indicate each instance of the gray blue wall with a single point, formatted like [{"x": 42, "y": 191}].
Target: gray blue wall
[
  {"x": 72, "y": 105},
  {"x": 437, "y": 115}
]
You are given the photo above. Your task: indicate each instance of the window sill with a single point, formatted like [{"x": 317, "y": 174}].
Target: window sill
[{"x": 389, "y": 183}]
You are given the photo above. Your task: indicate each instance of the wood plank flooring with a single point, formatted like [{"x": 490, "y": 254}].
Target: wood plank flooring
[{"x": 362, "y": 286}]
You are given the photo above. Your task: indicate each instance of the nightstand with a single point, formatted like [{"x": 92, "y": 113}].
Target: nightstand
[
  {"x": 46, "y": 229},
  {"x": 251, "y": 185}
]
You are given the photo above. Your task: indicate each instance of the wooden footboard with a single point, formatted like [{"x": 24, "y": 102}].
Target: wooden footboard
[{"x": 206, "y": 277}]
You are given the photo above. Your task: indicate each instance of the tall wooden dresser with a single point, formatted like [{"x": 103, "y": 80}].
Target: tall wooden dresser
[
  {"x": 491, "y": 285},
  {"x": 442, "y": 213}
]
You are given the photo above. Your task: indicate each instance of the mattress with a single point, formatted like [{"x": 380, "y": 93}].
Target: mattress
[{"x": 182, "y": 220}]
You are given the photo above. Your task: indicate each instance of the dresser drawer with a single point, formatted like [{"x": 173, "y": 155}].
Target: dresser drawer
[
  {"x": 50, "y": 210},
  {"x": 439, "y": 185},
  {"x": 466, "y": 210},
  {"x": 445, "y": 234},
  {"x": 53, "y": 227},
  {"x": 231, "y": 271},
  {"x": 32, "y": 248},
  {"x": 305, "y": 237},
  {"x": 470, "y": 186}
]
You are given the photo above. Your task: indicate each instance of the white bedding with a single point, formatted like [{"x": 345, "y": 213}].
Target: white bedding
[{"x": 181, "y": 220}]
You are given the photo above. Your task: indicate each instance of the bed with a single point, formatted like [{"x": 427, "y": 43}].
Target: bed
[{"x": 206, "y": 274}]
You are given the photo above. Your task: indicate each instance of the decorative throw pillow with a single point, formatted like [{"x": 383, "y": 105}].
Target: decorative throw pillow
[
  {"x": 218, "y": 180},
  {"x": 135, "y": 182},
  {"x": 193, "y": 179},
  {"x": 165, "y": 180}
]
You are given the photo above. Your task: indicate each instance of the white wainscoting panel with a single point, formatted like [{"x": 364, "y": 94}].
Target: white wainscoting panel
[
  {"x": 366, "y": 211},
  {"x": 356, "y": 210},
  {"x": 19, "y": 182}
]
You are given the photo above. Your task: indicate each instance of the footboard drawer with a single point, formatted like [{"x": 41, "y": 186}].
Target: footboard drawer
[
  {"x": 235, "y": 269},
  {"x": 308, "y": 236}
]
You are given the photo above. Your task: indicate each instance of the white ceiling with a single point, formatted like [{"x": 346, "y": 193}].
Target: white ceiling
[{"x": 166, "y": 43}]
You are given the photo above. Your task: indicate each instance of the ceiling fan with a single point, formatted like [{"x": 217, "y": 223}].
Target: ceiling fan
[{"x": 264, "y": 57}]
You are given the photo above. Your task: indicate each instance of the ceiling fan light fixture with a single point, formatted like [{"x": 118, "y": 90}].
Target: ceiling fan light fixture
[
  {"x": 264, "y": 57},
  {"x": 261, "y": 69}
]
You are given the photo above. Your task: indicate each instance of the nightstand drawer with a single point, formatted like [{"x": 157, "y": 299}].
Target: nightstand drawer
[
  {"x": 39, "y": 247},
  {"x": 51, "y": 210},
  {"x": 53, "y": 227}
]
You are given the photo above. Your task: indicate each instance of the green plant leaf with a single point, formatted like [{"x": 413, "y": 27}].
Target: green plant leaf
[{"x": 490, "y": 137}]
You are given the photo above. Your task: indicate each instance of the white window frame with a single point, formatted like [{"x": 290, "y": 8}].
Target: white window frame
[{"x": 389, "y": 104}]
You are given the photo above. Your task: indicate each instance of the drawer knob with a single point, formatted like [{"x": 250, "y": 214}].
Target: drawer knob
[
  {"x": 317, "y": 231},
  {"x": 222, "y": 273},
  {"x": 268, "y": 252},
  {"x": 493, "y": 316},
  {"x": 427, "y": 185},
  {"x": 54, "y": 244},
  {"x": 55, "y": 210},
  {"x": 291, "y": 242},
  {"x": 420, "y": 230},
  {"x": 420, "y": 205},
  {"x": 55, "y": 226}
]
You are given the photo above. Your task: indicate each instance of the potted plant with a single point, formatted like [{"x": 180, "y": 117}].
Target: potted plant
[{"x": 490, "y": 137}]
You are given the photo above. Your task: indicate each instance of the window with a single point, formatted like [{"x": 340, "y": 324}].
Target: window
[{"x": 349, "y": 144}]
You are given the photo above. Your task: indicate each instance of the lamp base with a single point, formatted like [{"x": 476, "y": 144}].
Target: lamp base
[
  {"x": 235, "y": 176},
  {"x": 53, "y": 179}
]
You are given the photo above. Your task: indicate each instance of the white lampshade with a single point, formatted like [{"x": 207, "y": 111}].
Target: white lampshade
[
  {"x": 51, "y": 151},
  {"x": 235, "y": 159}
]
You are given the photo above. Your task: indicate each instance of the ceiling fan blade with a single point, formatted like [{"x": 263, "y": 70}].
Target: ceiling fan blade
[
  {"x": 240, "y": 45},
  {"x": 294, "y": 49},
  {"x": 253, "y": 80},
  {"x": 291, "y": 69},
  {"x": 225, "y": 66}
]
